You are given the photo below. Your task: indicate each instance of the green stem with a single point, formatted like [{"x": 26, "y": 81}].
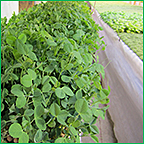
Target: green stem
[{"x": 48, "y": 98}]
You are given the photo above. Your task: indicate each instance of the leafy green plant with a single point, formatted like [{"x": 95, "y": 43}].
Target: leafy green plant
[
  {"x": 124, "y": 22},
  {"x": 50, "y": 76}
]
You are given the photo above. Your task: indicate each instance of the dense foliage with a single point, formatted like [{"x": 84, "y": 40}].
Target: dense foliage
[
  {"x": 50, "y": 76},
  {"x": 124, "y": 22}
]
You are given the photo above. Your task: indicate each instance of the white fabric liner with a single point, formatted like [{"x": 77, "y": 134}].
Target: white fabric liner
[
  {"x": 8, "y": 7},
  {"x": 124, "y": 74}
]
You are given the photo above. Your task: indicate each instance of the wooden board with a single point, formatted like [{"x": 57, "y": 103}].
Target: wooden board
[{"x": 25, "y": 4}]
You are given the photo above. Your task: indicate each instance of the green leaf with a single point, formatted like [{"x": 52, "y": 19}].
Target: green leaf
[
  {"x": 14, "y": 76},
  {"x": 59, "y": 140},
  {"x": 3, "y": 124},
  {"x": 51, "y": 43},
  {"x": 78, "y": 56},
  {"x": 11, "y": 40},
  {"x": 79, "y": 94},
  {"x": 2, "y": 107},
  {"x": 24, "y": 138},
  {"x": 76, "y": 36},
  {"x": 46, "y": 34},
  {"x": 46, "y": 87},
  {"x": 15, "y": 130},
  {"x": 32, "y": 56},
  {"x": 68, "y": 47},
  {"x": 65, "y": 78},
  {"x": 62, "y": 117},
  {"x": 25, "y": 123},
  {"x": 54, "y": 80},
  {"x": 49, "y": 68},
  {"x": 55, "y": 109},
  {"x": 87, "y": 58},
  {"x": 20, "y": 47},
  {"x": 45, "y": 137},
  {"x": 68, "y": 91},
  {"x": 21, "y": 101},
  {"x": 17, "y": 92},
  {"x": 73, "y": 130},
  {"x": 100, "y": 69},
  {"x": 32, "y": 74},
  {"x": 94, "y": 129},
  {"x": 70, "y": 120},
  {"x": 40, "y": 123},
  {"x": 80, "y": 32},
  {"x": 97, "y": 113},
  {"x": 81, "y": 106},
  {"x": 17, "y": 65},
  {"x": 45, "y": 79},
  {"x": 64, "y": 104},
  {"x": 4, "y": 93},
  {"x": 63, "y": 64},
  {"x": 52, "y": 123},
  {"x": 29, "y": 112},
  {"x": 80, "y": 83},
  {"x": 87, "y": 116},
  {"x": 94, "y": 138},
  {"x": 39, "y": 110},
  {"x": 26, "y": 81},
  {"x": 60, "y": 93},
  {"x": 38, "y": 136},
  {"x": 23, "y": 38},
  {"x": 76, "y": 123}
]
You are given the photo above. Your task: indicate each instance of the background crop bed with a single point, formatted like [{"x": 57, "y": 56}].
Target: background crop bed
[{"x": 133, "y": 40}]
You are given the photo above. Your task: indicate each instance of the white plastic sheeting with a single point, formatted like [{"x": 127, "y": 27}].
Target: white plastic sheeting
[
  {"x": 8, "y": 7},
  {"x": 124, "y": 74}
]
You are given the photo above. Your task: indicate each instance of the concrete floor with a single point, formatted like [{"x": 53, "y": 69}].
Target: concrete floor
[{"x": 106, "y": 134}]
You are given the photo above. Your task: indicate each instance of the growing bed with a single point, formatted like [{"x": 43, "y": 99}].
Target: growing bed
[{"x": 50, "y": 77}]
